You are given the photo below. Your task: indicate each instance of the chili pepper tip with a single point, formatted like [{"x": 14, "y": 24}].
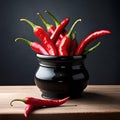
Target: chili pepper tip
[
  {"x": 21, "y": 19},
  {"x": 45, "y": 10},
  {"x": 17, "y": 39},
  {"x": 11, "y": 103},
  {"x": 38, "y": 13}
]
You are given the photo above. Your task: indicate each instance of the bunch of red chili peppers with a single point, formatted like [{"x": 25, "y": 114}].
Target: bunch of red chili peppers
[{"x": 55, "y": 40}]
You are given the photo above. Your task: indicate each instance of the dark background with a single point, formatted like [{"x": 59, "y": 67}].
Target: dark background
[{"x": 18, "y": 62}]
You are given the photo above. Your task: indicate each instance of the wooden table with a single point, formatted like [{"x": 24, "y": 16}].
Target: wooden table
[{"x": 98, "y": 102}]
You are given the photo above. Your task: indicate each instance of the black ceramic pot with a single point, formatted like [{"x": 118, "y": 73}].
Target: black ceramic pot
[{"x": 59, "y": 77}]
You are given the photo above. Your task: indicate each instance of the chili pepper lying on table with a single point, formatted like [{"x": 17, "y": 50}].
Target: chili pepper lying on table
[
  {"x": 35, "y": 46},
  {"x": 43, "y": 36},
  {"x": 90, "y": 38},
  {"x": 63, "y": 48},
  {"x": 34, "y": 103}
]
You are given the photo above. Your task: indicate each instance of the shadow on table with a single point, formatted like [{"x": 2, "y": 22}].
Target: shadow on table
[{"x": 94, "y": 97}]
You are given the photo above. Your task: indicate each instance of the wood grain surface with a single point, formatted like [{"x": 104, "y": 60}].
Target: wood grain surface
[{"x": 98, "y": 102}]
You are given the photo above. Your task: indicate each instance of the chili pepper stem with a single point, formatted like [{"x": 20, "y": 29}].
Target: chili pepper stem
[
  {"x": 30, "y": 23},
  {"x": 25, "y": 40},
  {"x": 22, "y": 100},
  {"x": 73, "y": 35},
  {"x": 92, "y": 48},
  {"x": 44, "y": 21},
  {"x": 52, "y": 17},
  {"x": 73, "y": 26}
]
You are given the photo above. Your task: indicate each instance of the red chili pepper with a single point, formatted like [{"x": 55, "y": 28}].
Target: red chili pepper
[
  {"x": 28, "y": 109},
  {"x": 50, "y": 28},
  {"x": 34, "y": 103},
  {"x": 90, "y": 38},
  {"x": 35, "y": 46},
  {"x": 66, "y": 41},
  {"x": 54, "y": 37},
  {"x": 41, "y": 102},
  {"x": 57, "y": 23},
  {"x": 43, "y": 36}
]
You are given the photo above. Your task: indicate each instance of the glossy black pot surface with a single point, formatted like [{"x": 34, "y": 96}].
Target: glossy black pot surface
[{"x": 59, "y": 77}]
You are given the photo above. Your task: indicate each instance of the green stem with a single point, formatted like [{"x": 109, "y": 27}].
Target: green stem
[
  {"x": 30, "y": 23},
  {"x": 22, "y": 100},
  {"x": 92, "y": 48},
  {"x": 25, "y": 40},
  {"x": 72, "y": 28},
  {"x": 44, "y": 21},
  {"x": 73, "y": 35},
  {"x": 53, "y": 18}
]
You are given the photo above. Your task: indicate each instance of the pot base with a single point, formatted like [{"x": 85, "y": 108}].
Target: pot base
[{"x": 56, "y": 90}]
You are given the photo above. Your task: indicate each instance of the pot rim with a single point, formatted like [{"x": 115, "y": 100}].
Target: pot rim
[{"x": 50, "y": 57}]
